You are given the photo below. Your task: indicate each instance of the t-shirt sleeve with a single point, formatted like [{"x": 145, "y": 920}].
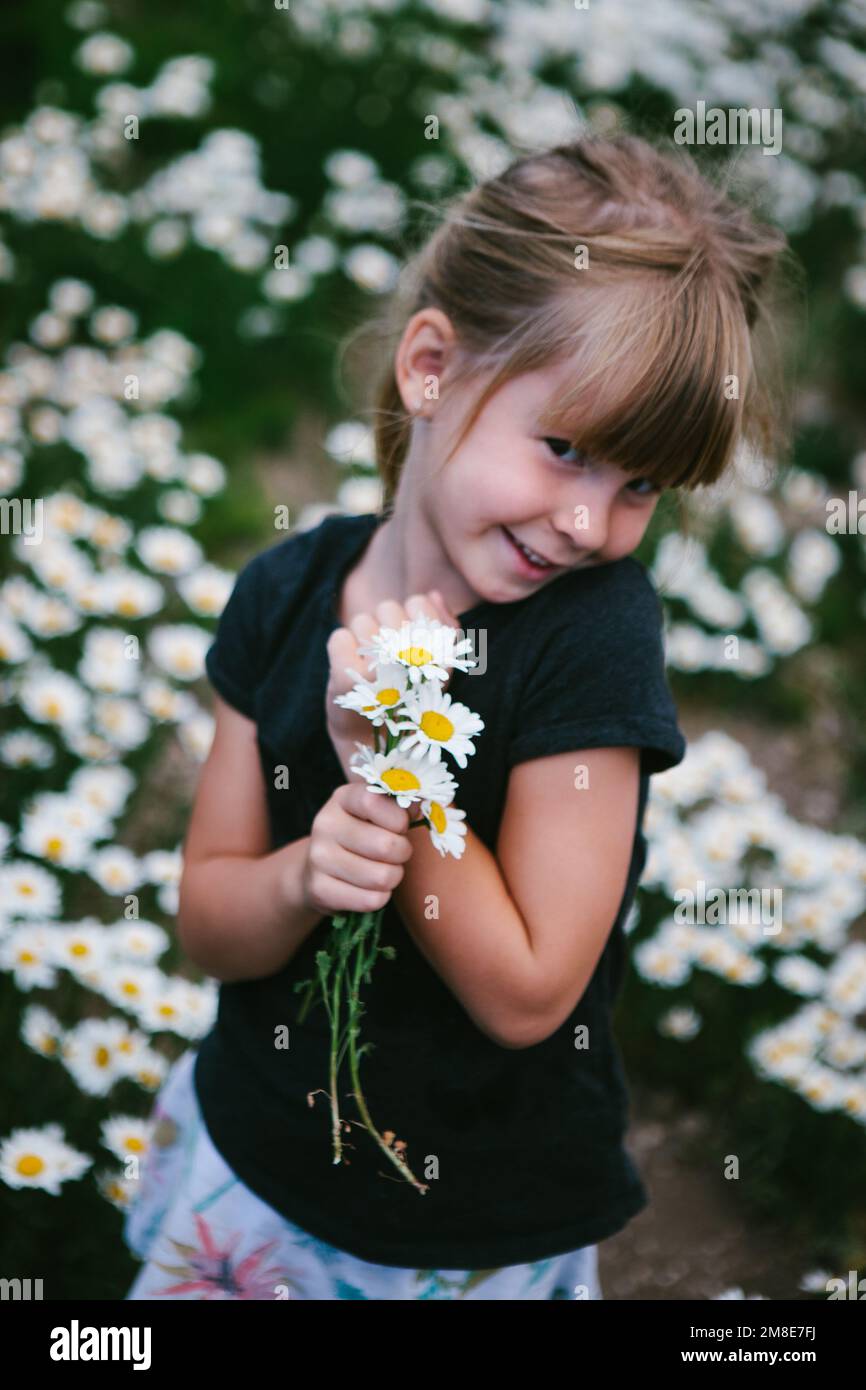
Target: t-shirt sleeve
[
  {"x": 595, "y": 678},
  {"x": 233, "y": 660}
]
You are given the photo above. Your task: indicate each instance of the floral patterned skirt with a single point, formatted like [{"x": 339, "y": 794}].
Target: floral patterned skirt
[{"x": 202, "y": 1233}]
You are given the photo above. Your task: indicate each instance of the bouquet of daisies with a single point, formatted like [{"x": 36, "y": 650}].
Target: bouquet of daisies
[{"x": 414, "y": 722}]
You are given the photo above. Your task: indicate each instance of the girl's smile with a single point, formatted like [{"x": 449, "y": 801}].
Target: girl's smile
[{"x": 527, "y": 561}]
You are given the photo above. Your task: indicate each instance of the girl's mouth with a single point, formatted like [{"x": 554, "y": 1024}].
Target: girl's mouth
[{"x": 527, "y": 566}]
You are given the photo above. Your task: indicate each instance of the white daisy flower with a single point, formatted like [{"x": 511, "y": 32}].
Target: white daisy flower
[
  {"x": 111, "y": 533},
  {"x": 47, "y": 835},
  {"x": 24, "y": 748},
  {"x": 117, "y": 1188},
  {"x": 28, "y": 890},
  {"x": 127, "y": 593},
  {"x": 179, "y": 650},
  {"x": 162, "y": 866},
  {"x": 52, "y": 617},
  {"x": 26, "y": 952},
  {"x": 437, "y": 721},
  {"x": 168, "y": 550},
  {"x": 196, "y": 734},
  {"x": 52, "y": 697},
  {"x": 165, "y": 1009},
  {"x": 128, "y": 984},
  {"x": 121, "y": 720},
  {"x": 659, "y": 961},
  {"x": 146, "y": 1066},
  {"x": 72, "y": 810},
  {"x": 112, "y": 323},
  {"x": 70, "y": 297},
  {"x": 199, "y": 1003},
  {"x": 206, "y": 591},
  {"x": 205, "y": 474},
  {"x": 168, "y": 899},
  {"x": 408, "y": 778},
  {"x": 104, "y": 54},
  {"x": 106, "y": 788},
  {"x": 40, "y": 1158},
  {"x": 376, "y": 697},
  {"x": 15, "y": 645},
  {"x": 116, "y": 869},
  {"x": 680, "y": 1022},
  {"x": 428, "y": 649},
  {"x": 41, "y": 1030},
  {"x": 140, "y": 940},
  {"x": 80, "y": 947},
  {"x": 123, "y": 1135},
  {"x": 447, "y": 830},
  {"x": 165, "y": 704},
  {"x": 93, "y": 1053}
]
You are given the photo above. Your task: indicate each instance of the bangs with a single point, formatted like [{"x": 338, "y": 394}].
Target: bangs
[{"x": 654, "y": 379}]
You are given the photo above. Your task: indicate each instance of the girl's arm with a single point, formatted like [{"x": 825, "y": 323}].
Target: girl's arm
[
  {"x": 517, "y": 936},
  {"x": 241, "y": 913}
]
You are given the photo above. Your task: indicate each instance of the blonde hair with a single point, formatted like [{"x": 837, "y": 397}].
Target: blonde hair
[{"x": 667, "y": 325}]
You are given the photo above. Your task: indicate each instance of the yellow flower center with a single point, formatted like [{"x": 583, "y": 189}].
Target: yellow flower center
[
  {"x": 26, "y": 957},
  {"x": 415, "y": 656},
  {"x": 26, "y": 890},
  {"x": 388, "y": 696},
  {"x": 438, "y": 817},
  {"x": 129, "y": 987},
  {"x": 400, "y": 779},
  {"x": 29, "y": 1165},
  {"x": 133, "y": 1144},
  {"x": 436, "y": 725},
  {"x": 78, "y": 948},
  {"x": 52, "y": 709},
  {"x": 53, "y": 847},
  {"x": 102, "y": 1056}
]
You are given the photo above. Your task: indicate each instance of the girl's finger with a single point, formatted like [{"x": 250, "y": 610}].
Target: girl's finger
[{"x": 445, "y": 614}]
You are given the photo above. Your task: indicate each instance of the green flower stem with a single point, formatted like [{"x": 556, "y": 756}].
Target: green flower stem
[
  {"x": 335, "y": 1027},
  {"x": 354, "y": 1056},
  {"x": 349, "y": 958}
]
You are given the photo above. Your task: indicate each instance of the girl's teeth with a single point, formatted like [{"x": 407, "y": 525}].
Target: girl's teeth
[{"x": 531, "y": 555}]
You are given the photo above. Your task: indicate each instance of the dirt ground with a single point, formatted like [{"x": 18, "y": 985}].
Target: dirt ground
[{"x": 693, "y": 1241}]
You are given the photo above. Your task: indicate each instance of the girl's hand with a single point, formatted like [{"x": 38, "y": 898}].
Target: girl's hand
[
  {"x": 359, "y": 843},
  {"x": 345, "y": 727}
]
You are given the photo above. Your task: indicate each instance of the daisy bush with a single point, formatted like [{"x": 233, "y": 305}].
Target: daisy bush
[
  {"x": 174, "y": 170},
  {"x": 789, "y": 1060}
]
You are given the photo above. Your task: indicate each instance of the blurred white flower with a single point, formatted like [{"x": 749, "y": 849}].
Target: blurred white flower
[{"x": 104, "y": 54}]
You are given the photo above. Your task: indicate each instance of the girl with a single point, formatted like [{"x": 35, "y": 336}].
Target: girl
[{"x": 575, "y": 339}]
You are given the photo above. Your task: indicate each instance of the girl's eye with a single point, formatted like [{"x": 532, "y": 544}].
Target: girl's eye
[
  {"x": 562, "y": 446},
  {"x": 653, "y": 487},
  {"x": 557, "y": 444}
]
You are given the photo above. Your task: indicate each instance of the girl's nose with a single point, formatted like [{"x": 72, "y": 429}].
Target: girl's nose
[{"x": 588, "y": 523}]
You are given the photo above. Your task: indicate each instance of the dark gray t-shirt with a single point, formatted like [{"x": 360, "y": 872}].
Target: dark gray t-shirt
[{"x": 529, "y": 1141}]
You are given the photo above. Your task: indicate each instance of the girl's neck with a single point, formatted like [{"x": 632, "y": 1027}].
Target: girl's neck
[{"x": 402, "y": 558}]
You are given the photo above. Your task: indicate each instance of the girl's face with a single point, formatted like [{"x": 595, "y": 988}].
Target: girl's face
[{"x": 509, "y": 482}]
